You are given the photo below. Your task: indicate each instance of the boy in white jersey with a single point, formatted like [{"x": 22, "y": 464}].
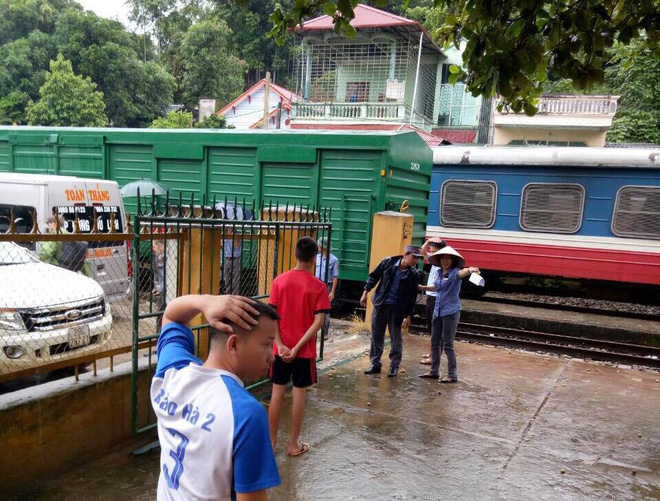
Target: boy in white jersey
[{"x": 214, "y": 436}]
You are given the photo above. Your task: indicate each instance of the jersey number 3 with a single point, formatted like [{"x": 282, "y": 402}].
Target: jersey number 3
[{"x": 174, "y": 477}]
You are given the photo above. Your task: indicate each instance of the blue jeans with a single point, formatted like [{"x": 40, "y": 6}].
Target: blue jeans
[{"x": 442, "y": 339}]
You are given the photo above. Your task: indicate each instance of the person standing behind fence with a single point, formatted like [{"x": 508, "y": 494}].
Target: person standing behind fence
[
  {"x": 447, "y": 310},
  {"x": 67, "y": 255},
  {"x": 327, "y": 271},
  {"x": 232, "y": 264},
  {"x": 213, "y": 433},
  {"x": 232, "y": 247},
  {"x": 301, "y": 300},
  {"x": 394, "y": 304},
  {"x": 431, "y": 246},
  {"x": 158, "y": 249}
]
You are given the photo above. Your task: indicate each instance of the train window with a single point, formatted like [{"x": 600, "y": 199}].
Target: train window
[
  {"x": 637, "y": 212},
  {"x": 555, "y": 208},
  {"x": 468, "y": 203}
]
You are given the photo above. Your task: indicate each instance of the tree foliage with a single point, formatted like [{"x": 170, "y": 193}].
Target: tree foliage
[
  {"x": 67, "y": 100},
  {"x": 135, "y": 91},
  {"x": 259, "y": 51},
  {"x": 209, "y": 68},
  {"x": 33, "y": 32},
  {"x": 173, "y": 120},
  {"x": 635, "y": 76},
  {"x": 632, "y": 73},
  {"x": 246, "y": 41},
  {"x": 184, "y": 120},
  {"x": 213, "y": 122},
  {"x": 512, "y": 45}
]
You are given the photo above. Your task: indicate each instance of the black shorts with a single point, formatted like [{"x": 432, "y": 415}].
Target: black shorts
[{"x": 302, "y": 371}]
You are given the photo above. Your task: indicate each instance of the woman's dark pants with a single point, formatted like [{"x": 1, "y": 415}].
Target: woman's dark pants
[{"x": 442, "y": 339}]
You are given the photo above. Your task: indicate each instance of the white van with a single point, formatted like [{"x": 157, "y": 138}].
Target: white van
[
  {"x": 69, "y": 196},
  {"x": 47, "y": 313}
]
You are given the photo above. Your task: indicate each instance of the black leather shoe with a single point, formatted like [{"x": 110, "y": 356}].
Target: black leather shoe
[
  {"x": 394, "y": 372},
  {"x": 373, "y": 369}
]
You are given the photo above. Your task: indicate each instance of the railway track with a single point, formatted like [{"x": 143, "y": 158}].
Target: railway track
[
  {"x": 574, "y": 346},
  {"x": 569, "y": 307},
  {"x": 594, "y": 349}
]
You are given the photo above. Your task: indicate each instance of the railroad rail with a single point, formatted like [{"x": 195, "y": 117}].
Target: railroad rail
[
  {"x": 569, "y": 307},
  {"x": 594, "y": 349}
]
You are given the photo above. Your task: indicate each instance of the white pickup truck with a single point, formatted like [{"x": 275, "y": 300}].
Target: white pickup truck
[{"x": 47, "y": 313}]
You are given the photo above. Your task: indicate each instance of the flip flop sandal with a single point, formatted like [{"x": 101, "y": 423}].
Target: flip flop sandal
[
  {"x": 303, "y": 448},
  {"x": 446, "y": 380},
  {"x": 428, "y": 375},
  {"x": 425, "y": 361},
  {"x": 427, "y": 355}
]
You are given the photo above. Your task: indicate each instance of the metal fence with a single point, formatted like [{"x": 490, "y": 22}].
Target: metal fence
[
  {"x": 207, "y": 247},
  {"x": 65, "y": 293}
]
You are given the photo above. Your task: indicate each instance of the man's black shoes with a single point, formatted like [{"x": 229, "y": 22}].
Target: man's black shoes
[
  {"x": 373, "y": 369},
  {"x": 394, "y": 372}
]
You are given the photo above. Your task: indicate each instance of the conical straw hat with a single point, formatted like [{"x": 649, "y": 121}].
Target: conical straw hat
[{"x": 434, "y": 258}]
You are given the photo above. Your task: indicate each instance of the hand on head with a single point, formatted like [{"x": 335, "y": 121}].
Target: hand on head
[{"x": 236, "y": 309}]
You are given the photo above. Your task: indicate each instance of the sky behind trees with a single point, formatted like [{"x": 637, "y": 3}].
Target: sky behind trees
[{"x": 111, "y": 9}]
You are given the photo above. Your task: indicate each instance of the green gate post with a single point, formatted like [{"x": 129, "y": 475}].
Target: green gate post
[{"x": 135, "y": 250}]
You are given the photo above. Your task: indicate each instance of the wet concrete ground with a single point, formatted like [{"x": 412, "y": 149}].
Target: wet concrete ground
[{"x": 505, "y": 431}]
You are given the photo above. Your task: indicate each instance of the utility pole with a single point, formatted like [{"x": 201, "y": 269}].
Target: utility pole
[
  {"x": 279, "y": 115},
  {"x": 266, "y": 104},
  {"x": 419, "y": 60}
]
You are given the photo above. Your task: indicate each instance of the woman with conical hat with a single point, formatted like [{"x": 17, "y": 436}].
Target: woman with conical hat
[{"x": 447, "y": 309}]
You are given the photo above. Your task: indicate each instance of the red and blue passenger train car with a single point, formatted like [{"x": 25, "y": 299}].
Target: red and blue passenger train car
[{"x": 579, "y": 213}]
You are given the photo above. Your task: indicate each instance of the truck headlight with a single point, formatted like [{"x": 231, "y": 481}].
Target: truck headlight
[
  {"x": 10, "y": 320},
  {"x": 14, "y": 352}
]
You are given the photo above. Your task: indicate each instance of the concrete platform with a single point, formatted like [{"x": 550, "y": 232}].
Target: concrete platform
[
  {"x": 505, "y": 431},
  {"x": 646, "y": 332}
]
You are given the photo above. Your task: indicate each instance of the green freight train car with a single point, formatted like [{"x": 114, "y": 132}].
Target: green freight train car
[{"x": 354, "y": 173}]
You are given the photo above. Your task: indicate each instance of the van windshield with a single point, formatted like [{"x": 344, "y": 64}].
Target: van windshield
[{"x": 11, "y": 254}]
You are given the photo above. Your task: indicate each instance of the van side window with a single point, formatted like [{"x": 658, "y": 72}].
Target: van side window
[
  {"x": 86, "y": 220},
  {"x": 22, "y": 218}
]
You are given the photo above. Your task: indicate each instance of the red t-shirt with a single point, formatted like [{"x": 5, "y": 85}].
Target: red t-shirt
[{"x": 298, "y": 296}]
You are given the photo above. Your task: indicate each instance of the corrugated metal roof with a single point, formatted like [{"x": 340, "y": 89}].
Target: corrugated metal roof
[
  {"x": 365, "y": 17},
  {"x": 456, "y": 135}
]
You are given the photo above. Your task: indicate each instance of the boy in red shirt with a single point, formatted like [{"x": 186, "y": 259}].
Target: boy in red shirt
[{"x": 301, "y": 300}]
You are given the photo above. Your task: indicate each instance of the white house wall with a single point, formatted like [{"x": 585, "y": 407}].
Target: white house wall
[{"x": 250, "y": 111}]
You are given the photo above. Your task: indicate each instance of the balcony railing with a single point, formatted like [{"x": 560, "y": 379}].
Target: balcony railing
[
  {"x": 577, "y": 105},
  {"x": 350, "y": 111}
]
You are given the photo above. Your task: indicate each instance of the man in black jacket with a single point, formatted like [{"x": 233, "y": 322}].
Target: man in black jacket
[{"x": 394, "y": 302}]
